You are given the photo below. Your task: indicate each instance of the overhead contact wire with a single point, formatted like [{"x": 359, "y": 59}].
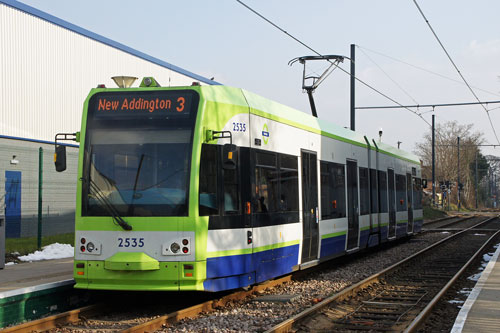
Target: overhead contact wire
[
  {"x": 388, "y": 76},
  {"x": 319, "y": 54},
  {"x": 456, "y": 68}
]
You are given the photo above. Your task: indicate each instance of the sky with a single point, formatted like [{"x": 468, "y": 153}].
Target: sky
[{"x": 224, "y": 40}]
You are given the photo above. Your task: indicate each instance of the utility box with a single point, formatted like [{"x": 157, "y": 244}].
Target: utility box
[{"x": 2, "y": 242}]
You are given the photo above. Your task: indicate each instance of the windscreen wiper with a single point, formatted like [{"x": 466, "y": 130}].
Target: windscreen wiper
[
  {"x": 107, "y": 205},
  {"x": 134, "y": 193}
]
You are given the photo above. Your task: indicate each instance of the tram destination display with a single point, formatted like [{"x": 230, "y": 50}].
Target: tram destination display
[{"x": 176, "y": 104}]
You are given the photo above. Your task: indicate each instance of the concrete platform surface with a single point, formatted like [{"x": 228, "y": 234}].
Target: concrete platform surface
[
  {"x": 35, "y": 273},
  {"x": 481, "y": 311}
]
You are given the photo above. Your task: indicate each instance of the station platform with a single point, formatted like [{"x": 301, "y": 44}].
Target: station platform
[
  {"x": 481, "y": 311},
  {"x": 31, "y": 290},
  {"x": 32, "y": 274}
]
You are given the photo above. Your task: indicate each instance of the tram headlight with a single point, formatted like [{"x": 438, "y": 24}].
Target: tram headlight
[
  {"x": 174, "y": 247},
  {"x": 90, "y": 247}
]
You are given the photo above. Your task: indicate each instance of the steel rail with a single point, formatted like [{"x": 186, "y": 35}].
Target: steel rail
[
  {"x": 424, "y": 314},
  {"x": 286, "y": 326},
  {"x": 53, "y": 321}
]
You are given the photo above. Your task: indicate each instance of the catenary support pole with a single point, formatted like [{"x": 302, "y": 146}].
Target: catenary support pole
[
  {"x": 353, "y": 82},
  {"x": 40, "y": 184},
  {"x": 433, "y": 163},
  {"x": 458, "y": 173},
  {"x": 476, "y": 178}
]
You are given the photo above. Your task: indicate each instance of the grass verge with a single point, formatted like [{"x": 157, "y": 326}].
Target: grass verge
[
  {"x": 431, "y": 213},
  {"x": 28, "y": 245}
]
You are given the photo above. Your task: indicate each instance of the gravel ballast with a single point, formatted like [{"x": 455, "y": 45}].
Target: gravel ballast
[{"x": 250, "y": 315}]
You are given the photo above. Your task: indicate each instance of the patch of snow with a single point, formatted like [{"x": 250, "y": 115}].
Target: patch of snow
[
  {"x": 474, "y": 277},
  {"x": 455, "y": 301},
  {"x": 52, "y": 251},
  {"x": 10, "y": 263},
  {"x": 445, "y": 232},
  {"x": 476, "y": 234},
  {"x": 465, "y": 291}
]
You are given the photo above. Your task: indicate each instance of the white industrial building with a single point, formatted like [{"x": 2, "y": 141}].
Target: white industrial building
[{"x": 47, "y": 68}]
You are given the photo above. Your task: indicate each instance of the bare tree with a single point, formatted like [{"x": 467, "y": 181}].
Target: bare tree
[{"x": 446, "y": 155}]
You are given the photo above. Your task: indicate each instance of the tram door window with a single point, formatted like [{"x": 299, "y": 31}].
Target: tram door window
[
  {"x": 382, "y": 192},
  {"x": 392, "y": 203},
  {"x": 364, "y": 192},
  {"x": 266, "y": 183},
  {"x": 231, "y": 197},
  {"x": 332, "y": 191},
  {"x": 401, "y": 193},
  {"x": 352, "y": 205},
  {"x": 310, "y": 212},
  {"x": 208, "y": 200},
  {"x": 417, "y": 193},
  {"x": 409, "y": 194},
  {"x": 373, "y": 191},
  {"x": 289, "y": 183}
]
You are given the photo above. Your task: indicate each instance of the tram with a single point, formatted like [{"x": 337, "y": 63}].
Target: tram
[{"x": 212, "y": 188}]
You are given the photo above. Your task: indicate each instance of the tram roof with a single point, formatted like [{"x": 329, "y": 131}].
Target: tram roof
[{"x": 267, "y": 108}]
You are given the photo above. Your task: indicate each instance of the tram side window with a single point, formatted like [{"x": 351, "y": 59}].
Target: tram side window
[
  {"x": 266, "y": 183},
  {"x": 382, "y": 186},
  {"x": 373, "y": 191},
  {"x": 208, "y": 181},
  {"x": 401, "y": 193},
  {"x": 332, "y": 190},
  {"x": 417, "y": 193},
  {"x": 289, "y": 183},
  {"x": 364, "y": 192},
  {"x": 231, "y": 202}
]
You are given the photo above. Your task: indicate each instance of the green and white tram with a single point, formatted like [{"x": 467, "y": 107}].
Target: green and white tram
[{"x": 214, "y": 188}]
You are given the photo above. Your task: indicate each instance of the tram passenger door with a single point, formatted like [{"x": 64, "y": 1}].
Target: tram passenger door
[
  {"x": 409, "y": 194},
  {"x": 352, "y": 205},
  {"x": 392, "y": 204},
  {"x": 310, "y": 211}
]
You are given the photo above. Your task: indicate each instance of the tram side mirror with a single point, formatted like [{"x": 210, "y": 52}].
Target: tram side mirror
[
  {"x": 60, "y": 158},
  {"x": 424, "y": 183},
  {"x": 229, "y": 157}
]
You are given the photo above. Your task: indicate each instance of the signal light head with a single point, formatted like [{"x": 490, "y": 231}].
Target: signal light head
[
  {"x": 82, "y": 248},
  {"x": 185, "y": 249}
]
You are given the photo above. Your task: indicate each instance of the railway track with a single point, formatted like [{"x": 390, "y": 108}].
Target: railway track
[
  {"x": 111, "y": 318},
  {"x": 128, "y": 318},
  {"x": 453, "y": 222},
  {"x": 402, "y": 296}
]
